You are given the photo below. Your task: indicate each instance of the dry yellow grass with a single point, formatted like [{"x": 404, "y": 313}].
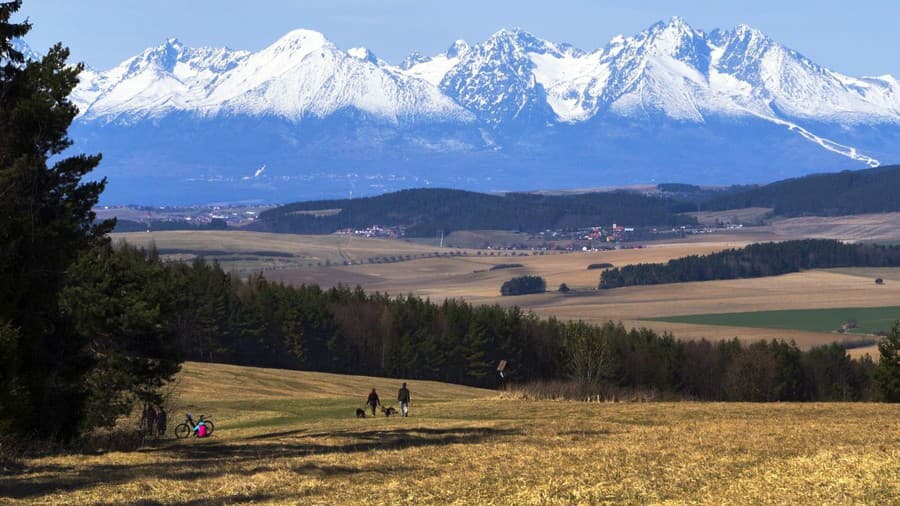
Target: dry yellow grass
[
  {"x": 222, "y": 382},
  {"x": 862, "y": 227},
  {"x": 469, "y": 277},
  {"x": 750, "y": 215},
  {"x": 464, "y": 450},
  {"x": 305, "y": 248}
]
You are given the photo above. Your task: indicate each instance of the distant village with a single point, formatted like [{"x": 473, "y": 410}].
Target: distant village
[
  {"x": 597, "y": 237},
  {"x": 381, "y": 231}
]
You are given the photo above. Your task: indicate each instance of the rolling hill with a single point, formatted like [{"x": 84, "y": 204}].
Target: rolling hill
[
  {"x": 426, "y": 212},
  {"x": 836, "y": 194}
]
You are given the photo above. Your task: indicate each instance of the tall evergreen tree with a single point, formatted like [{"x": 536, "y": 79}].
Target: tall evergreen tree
[
  {"x": 45, "y": 223},
  {"x": 887, "y": 375}
]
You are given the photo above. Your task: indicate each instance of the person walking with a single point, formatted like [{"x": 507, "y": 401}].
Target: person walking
[
  {"x": 161, "y": 422},
  {"x": 373, "y": 401},
  {"x": 148, "y": 420},
  {"x": 403, "y": 398}
]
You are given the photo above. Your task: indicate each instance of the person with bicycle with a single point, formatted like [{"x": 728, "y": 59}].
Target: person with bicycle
[
  {"x": 373, "y": 401},
  {"x": 203, "y": 427}
]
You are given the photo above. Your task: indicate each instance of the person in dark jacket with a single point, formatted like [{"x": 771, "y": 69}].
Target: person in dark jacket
[
  {"x": 148, "y": 420},
  {"x": 373, "y": 401},
  {"x": 161, "y": 422},
  {"x": 403, "y": 399}
]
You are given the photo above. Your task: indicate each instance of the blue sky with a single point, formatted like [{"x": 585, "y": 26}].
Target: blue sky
[{"x": 856, "y": 38}]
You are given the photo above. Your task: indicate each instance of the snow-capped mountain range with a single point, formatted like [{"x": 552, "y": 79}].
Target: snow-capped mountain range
[{"x": 671, "y": 103}]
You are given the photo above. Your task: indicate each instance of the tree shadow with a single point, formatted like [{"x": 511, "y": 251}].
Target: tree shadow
[
  {"x": 195, "y": 459},
  {"x": 217, "y": 501}
]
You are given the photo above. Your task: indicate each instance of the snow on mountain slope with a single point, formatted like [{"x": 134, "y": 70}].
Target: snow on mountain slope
[
  {"x": 23, "y": 47},
  {"x": 161, "y": 80},
  {"x": 784, "y": 82},
  {"x": 435, "y": 68},
  {"x": 670, "y": 100},
  {"x": 299, "y": 75},
  {"x": 496, "y": 79},
  {"x": 670, "y": 69}
]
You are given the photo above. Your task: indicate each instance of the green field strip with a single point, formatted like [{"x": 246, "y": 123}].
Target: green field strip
[{"x": 868, "y": 320}]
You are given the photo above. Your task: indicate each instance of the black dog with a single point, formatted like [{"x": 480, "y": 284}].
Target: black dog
[
  {"x": 388, "y": 411},
  {"x": 360, "y": 413}
]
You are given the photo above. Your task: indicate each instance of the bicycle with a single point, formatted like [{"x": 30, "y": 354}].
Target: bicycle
[{"x": 189, "y": 427}]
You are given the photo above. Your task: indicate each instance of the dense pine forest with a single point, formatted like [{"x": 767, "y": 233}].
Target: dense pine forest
[
  {"x": 754, "y": 261},
  {"x": 426, "y": 212},
  {"x": 835, "y": 194}
]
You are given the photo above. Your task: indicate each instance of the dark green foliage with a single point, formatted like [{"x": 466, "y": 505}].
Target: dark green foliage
[
  {"x": 564, "y": 288},
  {"x": 887, "y": 375},
  {"x": 156, "y": 225},
  {"x": 522, "y": 285},
  {"x": 603, "y": 265},
  {"x": 841, "y": 193},
  {"x": 45, "y": 223},
  {"x": 427, "y": 212},
  {"x": 756, "y": 260},
  {"x": 497, "y": 267},
  {"x": 123, "y": 301}
]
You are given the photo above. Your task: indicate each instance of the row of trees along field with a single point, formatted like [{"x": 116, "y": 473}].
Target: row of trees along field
[{"x": 753, "y": 261}]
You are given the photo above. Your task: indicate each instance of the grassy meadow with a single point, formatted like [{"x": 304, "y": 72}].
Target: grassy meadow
[
  {"x": 292, "y": 438},
  {"x": 868, "y": 319},
  {"x": 249, "y": 252}
]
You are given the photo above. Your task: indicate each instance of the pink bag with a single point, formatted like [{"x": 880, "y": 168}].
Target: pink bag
[{"x": 201, "y": 430}]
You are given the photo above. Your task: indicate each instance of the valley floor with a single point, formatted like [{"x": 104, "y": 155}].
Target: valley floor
[{"x": 292, "y": 438}]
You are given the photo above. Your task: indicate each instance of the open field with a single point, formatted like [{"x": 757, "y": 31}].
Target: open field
[
  {"x": 746, "y": 216},
  {"x": 254, "y": 251},
  {"x": 868, "y": 320},
  {"x": 884, "y": 227},
  {"x": 881, "y": 227},
  {"x": 297, "y": 442},
  {"x": 469, "y": 277}
]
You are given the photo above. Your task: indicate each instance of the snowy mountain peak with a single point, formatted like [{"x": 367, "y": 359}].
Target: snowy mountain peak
[
  {"x": 413, "y": 59},
  {"x": 513, "y": 82},
  {"x": 669, "y": 103},
  {"x": 300, "y": 41},
  {"x": 673, "y": 38},
  {"x": 21, "y": 46},
  {"x": 457, "y": 49},
  {"x": 364, "y": 54},
  {"x": 514, "y": 40}
]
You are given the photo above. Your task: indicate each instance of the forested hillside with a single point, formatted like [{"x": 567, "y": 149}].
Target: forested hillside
[
  {"x": 754, "y": 261},
  {"x": 216, "y": 316},
  {"x": 840, "y": 193},
  {"x": 427, "y": 211}
]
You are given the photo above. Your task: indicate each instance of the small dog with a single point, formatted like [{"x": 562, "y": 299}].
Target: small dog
[
  {"x": 360, "y": 413},
  {"x": 388, "y": 411}
]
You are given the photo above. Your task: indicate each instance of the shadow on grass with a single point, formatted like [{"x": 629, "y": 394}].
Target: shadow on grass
[
  {"x": 217, "y": 501},
  {"x": 197, "y": 460}
]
